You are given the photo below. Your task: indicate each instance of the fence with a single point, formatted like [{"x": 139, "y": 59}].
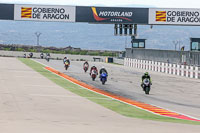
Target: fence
[
  {"x": 168, "y": 68},
  {"x": 168, "y": 56}
]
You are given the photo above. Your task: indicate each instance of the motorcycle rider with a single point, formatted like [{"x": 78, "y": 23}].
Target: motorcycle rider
[
  {"x": 30, "y": 55},
  {"x": 47, "y": 56},
  {"x": 146, "y": 76},
  {"x": 85, "y": 64},
  {"x": 103, "y": 70},
  {"x": 67, "y": 61},
  {"x": 41, "y": 55},
  {"x": 65, "y": 58},
  {"x": 93, "y": 68}
]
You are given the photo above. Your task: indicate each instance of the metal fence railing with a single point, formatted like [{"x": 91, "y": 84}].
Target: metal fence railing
[
  {"x": 169, "y": 68},
  {"x": 168, "y": 56}
]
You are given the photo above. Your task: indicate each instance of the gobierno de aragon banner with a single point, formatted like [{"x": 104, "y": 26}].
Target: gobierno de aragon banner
[
  {"x": 111, "y": 15},
  {"x": 176, "y": 16},
  {"x": 44, "y": 13}
]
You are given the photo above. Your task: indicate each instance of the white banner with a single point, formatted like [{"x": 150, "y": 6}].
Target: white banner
[
  {"x": 44, "y": 13},
  {"x": 174, "y": 16}
]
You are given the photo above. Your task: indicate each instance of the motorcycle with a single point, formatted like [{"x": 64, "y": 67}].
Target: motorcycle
[
  {"x": 94, "y": 74},
  {"x": 146, "y": 86},
  {"x": 47, "y": 58},
  {"x": 66, "y": 65},
  {"x": 41, "y": 56},
  {"x": 103, "y": 77},
  {"x": 85, "y": 68}
]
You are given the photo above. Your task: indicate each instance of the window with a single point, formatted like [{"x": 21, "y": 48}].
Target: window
[
  {"x": 135, "y": 45},
  {"x": 195, "y": 45},
  {"x": 141, "y": 44}
]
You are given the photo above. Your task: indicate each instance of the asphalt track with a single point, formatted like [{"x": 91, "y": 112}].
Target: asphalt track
[
  {"x": 178, "y": 94},
  {"x": 29, "y": 102}
]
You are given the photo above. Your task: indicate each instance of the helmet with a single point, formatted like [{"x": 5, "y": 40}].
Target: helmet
[
  {"x": 146, "y": 73},
  {"x": 102, "y": 67}
]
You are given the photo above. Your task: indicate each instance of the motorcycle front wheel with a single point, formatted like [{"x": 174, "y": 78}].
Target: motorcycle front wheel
[
  {"x": 147, "y": 89},
  {"x": 103, "y": 81}
]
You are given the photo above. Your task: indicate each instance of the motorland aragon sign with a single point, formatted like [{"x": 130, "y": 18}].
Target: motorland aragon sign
[
  {"x": 44, "y": 13},
  {"x": 111, "y": 15},
  {"x": 174, "y": 16}
]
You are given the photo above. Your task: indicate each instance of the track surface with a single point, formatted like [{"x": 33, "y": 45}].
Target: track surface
[
  {"x": 175, "y": 93},
  {"x": 31, "y": 103}
]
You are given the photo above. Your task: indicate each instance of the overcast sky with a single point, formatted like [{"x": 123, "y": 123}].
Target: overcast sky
[{"x": 154, "y": 3}]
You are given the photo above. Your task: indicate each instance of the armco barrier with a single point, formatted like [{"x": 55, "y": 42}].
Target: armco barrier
[{"x": 175, "y": 69}]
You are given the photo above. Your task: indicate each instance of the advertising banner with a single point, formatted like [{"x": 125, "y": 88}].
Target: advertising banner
[
  {"x": 174, "y": 16},
  {"x": 45, "y": 13},
  {"x": 111, "y": 15},
  {"x": 7, "y": 11}
]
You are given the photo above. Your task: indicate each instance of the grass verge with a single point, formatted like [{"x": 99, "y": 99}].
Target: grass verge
[{"x": 114, "y": 105}]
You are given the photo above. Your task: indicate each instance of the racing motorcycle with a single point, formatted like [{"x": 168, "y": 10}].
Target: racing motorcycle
[
  {"x": 94, "y": 74},
  {"x": 103, "y": 77},
  {"x": 41, "y": 56},
  {"x": 85, "y": 68},
  {"x": 146, "y": 86},
  {"x": 47, "y": 58}
]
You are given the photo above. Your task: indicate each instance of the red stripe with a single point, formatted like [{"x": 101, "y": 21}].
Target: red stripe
[
  {"x": 26, "y": 13},
  {"x": 158, "y": 15}
]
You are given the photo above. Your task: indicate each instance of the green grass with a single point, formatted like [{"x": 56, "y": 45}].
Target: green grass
[{"x": 114, "y": 105}]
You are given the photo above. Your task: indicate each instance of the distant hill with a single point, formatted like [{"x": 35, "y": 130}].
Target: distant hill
[{"x": 91, "y": 36}]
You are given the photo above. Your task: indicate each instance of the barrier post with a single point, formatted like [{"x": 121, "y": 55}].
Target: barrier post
[
  {"x": 156, "y": 66},
  {"x": 178, "y": 70},
  {"x": 139, "y": 63},
  {"x": 187, "y": 71},
  {"x": 191, "y": 72},
  {"x": 167, "y": 68},
  {"x": 196, "y": 72},
  {"x": 145, "y": 66},
  {"x": 124, "y": 61},
  {"x": 174, "y": 69},
  {"x": 153, "y": 66},
  {"x": 170, "y": 68},
  {"x": 142, "y": 64},
  {"x": 182, "y": 70},
  {"x": 129, "y": 62},
  {"x": 159, "y": 67},
  {"x": 150, "y": 65},
  {"x": 163, "y": 67}
]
